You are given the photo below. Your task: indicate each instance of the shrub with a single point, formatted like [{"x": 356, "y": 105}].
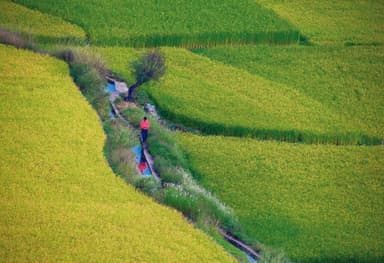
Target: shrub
[
  {"x": 170, "y": 174},
  {"x": 151, "y": 66},
  {"x": 181, "y": 201},
  {"x": 87, "y": 78},
  {"x": 118, "y": 154},
  {"x": 16, "y": 40},
  {"x": 122, "y": 162},
  {"x": 64, "y": 54},
  {"x": 148, "y": 185},
  {"x": 269, "y": 255},
  {"x": 119, "y": 135},
  {"x": 102, "y": 105},
  {"x": 87, "y": 56}
]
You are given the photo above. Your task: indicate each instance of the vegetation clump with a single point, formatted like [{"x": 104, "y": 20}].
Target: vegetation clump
[
  {"x": 89, "y": 73},
  {"x": 151, "y": 66},
  {"x": 16, "y": 40}
]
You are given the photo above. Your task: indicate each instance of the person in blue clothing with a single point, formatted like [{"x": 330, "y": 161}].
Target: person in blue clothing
[{"x": 144, "y": 126}]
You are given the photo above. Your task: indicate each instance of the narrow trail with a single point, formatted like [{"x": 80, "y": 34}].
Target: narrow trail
[
  {"x": 247, "y": 249},
  {"x": 148, "y": 157}
]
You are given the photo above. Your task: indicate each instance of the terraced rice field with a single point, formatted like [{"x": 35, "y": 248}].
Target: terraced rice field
[
  {"x": 42, "y": 27},
  {"x": 59, "y": 200},
  {"x": 346, "y": 80},
  {"x": 318, "y": 203},
  {"x": 221, "y": 99},
  {"x": 172, "y": 23},
  {"x": 328, "y": 22}
]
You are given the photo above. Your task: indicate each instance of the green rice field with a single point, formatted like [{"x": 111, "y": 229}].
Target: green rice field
[
  {"x": 59, "y": 200},
  {"x": 327, "y": 22},
  {"x": 288, "y": 99},
  {"x": 346, "y": 80},
  {"x": 41, "y": 27},
  {"x": 172, "y": 23},
  {"x": 221, "y": 99},
  {"x": 318, "y": 203}
]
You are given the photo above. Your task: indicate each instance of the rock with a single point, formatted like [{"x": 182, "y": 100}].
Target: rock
[
  {"x": 151, "y": 109},
  {"x": 121, "y": 87}
]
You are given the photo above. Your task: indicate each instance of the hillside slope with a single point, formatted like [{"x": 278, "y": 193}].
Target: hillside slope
[{"x": 59, "y": 201}]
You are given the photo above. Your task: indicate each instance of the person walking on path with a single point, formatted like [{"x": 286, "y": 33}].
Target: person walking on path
[{"x": 144, "y": 126}]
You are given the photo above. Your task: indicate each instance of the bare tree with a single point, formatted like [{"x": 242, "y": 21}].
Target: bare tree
[{"x": 150, "y": 67}]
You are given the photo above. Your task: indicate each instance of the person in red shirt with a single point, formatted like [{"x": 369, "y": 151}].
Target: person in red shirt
[
  {"x": 144, "y": 126},
  {"x": 142, "y": 166}
]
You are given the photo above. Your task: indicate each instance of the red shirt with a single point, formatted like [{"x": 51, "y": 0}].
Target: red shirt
[
  {"x": 144, "y": 124},
  {"x": 142, "y": 166}
]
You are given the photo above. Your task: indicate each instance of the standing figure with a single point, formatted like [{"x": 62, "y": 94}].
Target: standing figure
[{"x": 144, "y": 126}]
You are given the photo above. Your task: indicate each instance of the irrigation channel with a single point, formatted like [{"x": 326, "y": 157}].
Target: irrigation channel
[{"x": 114, "y": 89}]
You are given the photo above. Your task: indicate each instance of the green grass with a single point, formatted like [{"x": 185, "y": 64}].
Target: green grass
[
  {"x": 39, "y": 26},
  {"x": 334, "y": 22},
  {"x": 181, "y": 23},
  {"x": 347, "y": 80},
  {"x": 59, "y": 199},
  {"x": 318, "y": 203}
]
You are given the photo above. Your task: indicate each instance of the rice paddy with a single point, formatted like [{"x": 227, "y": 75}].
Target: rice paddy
[
  {"x": 318, "y": 203},
  {"x": 39, "y": 26},
  {"x": 221, "y": 99},
  {"x": 318, "y": 198},
  {"x": 346, "y": 80},
  {"x": 172, "y": 23},
  {"x": 327, "y": 22},
  {"x": 59, "y": 199}
]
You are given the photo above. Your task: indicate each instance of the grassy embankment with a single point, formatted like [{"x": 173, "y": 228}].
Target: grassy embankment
[
  {"x": 38, "y": 26},
  {"x": 344, "y": 22},
  {"x": 59, "y": 199},
  {"x": 318, "y": 203},
  {"x": 172, "y": 23}
]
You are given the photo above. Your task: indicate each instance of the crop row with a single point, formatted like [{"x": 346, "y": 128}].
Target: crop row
[
  {"x": 203, "y": 39},
  {"x": 315, "y": 202},
  {"x": 172, "y": 23},
  {"x": 59, "y": 201}
]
